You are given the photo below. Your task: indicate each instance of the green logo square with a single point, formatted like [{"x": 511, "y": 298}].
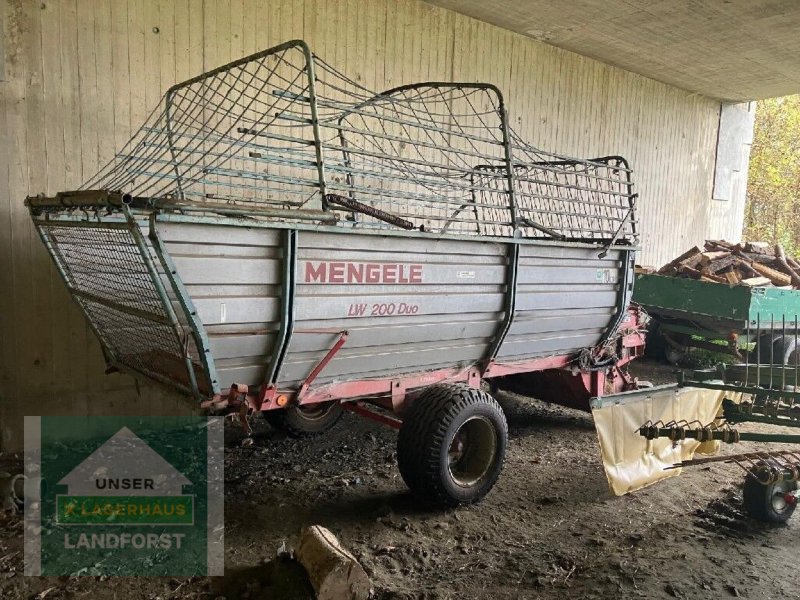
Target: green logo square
[{"x": 124, "y": 496}]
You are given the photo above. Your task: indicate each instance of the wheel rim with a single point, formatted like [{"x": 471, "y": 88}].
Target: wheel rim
[
  {"x": 472, "y": 451},
  {"x": 778, "y": 497},
  {"x": 315, "y": 412},
  {"x": 675, "y": 355}
]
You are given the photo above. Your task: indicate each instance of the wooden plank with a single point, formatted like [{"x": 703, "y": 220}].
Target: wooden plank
[
  {"x": 732, "y": 277},
  {"x": 76, "y": 376},
  {"x": 58, "y": 342},
  {"x": 774, "y": 276},
  {"x": 672, "y": 265},
  {"x": 12, "y": 154},
  {"x": 34, "y": 278},
  {"x": 757, "y": 282}
]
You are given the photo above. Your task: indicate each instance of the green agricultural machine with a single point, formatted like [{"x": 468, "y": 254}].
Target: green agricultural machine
[
  {"x": 734, "y": 320},
  {"x": 759, "y": 329}
]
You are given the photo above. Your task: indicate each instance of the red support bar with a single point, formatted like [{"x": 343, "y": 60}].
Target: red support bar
[
  {"x": 322, "y": 364},
  {"x": 361, "y": 410}
]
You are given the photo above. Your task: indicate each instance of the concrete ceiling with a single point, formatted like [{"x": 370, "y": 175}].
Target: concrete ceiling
[{"x": 733, "y": 50}]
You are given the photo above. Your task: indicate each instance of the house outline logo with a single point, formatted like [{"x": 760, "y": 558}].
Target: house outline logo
[{"x": 120, "y": 483}]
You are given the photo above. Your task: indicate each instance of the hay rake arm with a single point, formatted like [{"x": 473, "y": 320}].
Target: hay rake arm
[{"x": 763, "y": 389}]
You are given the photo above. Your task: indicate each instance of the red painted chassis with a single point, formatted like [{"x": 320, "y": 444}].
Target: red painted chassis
[{"x": 558, "y": 379}]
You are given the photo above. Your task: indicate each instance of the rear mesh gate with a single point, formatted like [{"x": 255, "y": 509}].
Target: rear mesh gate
[{"x": 134, "y": 306}]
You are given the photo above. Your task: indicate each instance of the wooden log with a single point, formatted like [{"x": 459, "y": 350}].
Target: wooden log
[
  {"x": 732, "y": 277},
  {"x": 709, "y": 257},
  {"x": 744, "y": 266},
  {"x": 692, "y": 262},
  {"x": 757, "y": 282},
  {"x": 712, "y": 245},
  {"x": 689, "y": 272},
  {"x": 776, "y": 277},
  {"x": 757, "y": 247},
  {"x": 705, "y": 272},
  {"x": 762, "y": 258},
  {"x": 716, "y": 261},
  {"x": 672, "y": 266},
  {"x": 780, "y": 253},
  {"x": 335, "y": 574}
]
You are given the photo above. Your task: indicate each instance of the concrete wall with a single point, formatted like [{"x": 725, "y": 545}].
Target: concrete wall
[{"x": 80, "y": 74}]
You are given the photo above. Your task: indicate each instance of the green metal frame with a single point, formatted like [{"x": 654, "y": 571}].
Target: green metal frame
[
  {"x": 139, "y": 239},
  {"x": 128, "y": 223},
  {"x": 509, "y": 302},
  {"x": 198, "y": 329},
  {"x": 714, "y": 307},
  {"x": 288, "y": 291},
  {"x": 740, "y": 378}
]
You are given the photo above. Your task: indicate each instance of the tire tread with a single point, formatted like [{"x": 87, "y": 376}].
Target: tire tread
[{"x": 423, "y": 433}]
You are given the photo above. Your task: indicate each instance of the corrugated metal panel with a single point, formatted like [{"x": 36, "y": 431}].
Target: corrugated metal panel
[
  {"x": 233, "y": 276},
  {"x": 561, "y": 290},
  {"x": 408, "y": 304},
  {"x": 80, "y": 74}
]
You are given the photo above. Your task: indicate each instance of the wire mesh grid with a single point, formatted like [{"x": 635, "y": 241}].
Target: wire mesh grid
[
  {"x": 108, "y": 276},
  {"x": 282, "y": 128},
  {"x": 772, "y": 363}
]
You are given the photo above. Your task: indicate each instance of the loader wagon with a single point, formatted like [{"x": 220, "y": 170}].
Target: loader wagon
[{"x": 278, "y": 239}]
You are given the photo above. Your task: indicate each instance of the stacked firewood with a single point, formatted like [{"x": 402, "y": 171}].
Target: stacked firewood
[{"x": 754, "y": 264}]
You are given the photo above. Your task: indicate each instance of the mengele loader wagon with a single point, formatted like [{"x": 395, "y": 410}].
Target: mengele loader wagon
[{"x": 277, "y": 238}]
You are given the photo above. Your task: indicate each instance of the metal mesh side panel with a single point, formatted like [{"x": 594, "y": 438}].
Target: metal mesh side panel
[
  {"x": 108, "y": 276},
  {"x": 266, "y": 135},
  {"x": 579, "y": 200}
]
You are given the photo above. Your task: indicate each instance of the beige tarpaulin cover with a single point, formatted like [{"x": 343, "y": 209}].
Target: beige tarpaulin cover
[{"x": 630, "y": 461}]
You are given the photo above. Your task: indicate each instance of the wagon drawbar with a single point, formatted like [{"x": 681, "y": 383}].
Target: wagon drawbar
[{"x": 277, "y": 238}]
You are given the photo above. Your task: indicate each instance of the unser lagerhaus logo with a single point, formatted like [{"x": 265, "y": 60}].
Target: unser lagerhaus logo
[{"x": 126, "y": 508}]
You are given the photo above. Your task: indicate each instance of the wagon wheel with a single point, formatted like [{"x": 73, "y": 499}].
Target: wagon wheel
[
  {"x": 773, "y": 503},
  {"x": 452, "y": 444},
  {"x": 778, "y": 349},
  {"x": 305, "y": 420},
  {"x": 675, "y": 349}
]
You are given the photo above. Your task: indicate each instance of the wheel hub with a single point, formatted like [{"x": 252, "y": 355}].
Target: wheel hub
[
  {"x": 472, "y": 451},
  {"x": 312, "y": 412}
]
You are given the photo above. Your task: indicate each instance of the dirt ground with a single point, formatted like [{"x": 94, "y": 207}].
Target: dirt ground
[{"x": 550, "y": 529}]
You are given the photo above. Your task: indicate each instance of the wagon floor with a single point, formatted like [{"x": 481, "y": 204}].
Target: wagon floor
[{"x": 550, "y": 526}]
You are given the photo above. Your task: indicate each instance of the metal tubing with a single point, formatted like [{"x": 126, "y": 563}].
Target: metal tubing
[
  {"x": 288, "y": 290},
  {"x": 509, "y": 303},
  {"x": 198, "y": 330},
  {"x": 165, "y": 301},
  {"x": 312, "y": 97}
]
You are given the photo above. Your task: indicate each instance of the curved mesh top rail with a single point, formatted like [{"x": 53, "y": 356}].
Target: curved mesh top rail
[{"x": 281, "y": 134}]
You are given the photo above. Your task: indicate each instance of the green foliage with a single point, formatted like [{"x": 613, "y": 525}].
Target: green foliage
[{"x": 773, "y": 188}]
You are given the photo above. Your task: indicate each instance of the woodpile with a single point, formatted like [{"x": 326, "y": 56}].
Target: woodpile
[{"x": 753, "y": 264}]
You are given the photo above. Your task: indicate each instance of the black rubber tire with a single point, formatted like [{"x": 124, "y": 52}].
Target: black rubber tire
[
  {"x": 760, "y": 502},
  {"x": 428, "y": 432},
  {"x": 655, "y": 345},
  {"x": 779, "y": 350},
  {"x": 308, "y": 421},
  {"x": 675, "y": 356}
]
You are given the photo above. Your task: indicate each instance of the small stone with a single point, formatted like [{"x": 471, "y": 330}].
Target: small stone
[
  {"x": 673, "y": 591},
  {"x": 732, "y": 590}
]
